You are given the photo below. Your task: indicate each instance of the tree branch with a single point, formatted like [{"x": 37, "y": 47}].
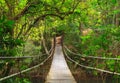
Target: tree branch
[
  {"x": 21, "y": 30},
  {"x": 22, "y": 12},
  {"x": 41, "y": 18}
]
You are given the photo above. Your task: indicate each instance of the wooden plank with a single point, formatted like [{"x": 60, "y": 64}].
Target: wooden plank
[{"x": 59, "y": 71}]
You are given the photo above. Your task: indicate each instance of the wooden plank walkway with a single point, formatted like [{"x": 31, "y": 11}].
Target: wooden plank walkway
[{"x": 59, "y": 71}]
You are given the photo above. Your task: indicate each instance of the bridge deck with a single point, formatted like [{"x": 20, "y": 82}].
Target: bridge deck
[{"x": 59, "y": 72}]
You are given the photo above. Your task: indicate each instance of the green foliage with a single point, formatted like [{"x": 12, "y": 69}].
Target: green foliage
[
  {"x": 114, "y": 1},
  {"x": 102, "y": 42},
  {"x": 35, "y": 19},
  {"x": 8, "y": 44},
  {"x": 31, "y": 49},
  {"x": 111, "y": 65},
  {"x": 17, "y": 80},
  {"x": 6, "y": 38}
]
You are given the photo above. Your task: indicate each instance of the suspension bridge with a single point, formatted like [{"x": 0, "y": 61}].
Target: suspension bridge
[{"x": 59, "y": 71}]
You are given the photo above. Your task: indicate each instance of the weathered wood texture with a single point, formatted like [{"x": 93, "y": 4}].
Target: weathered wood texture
[{"x": 59, "y": 71}]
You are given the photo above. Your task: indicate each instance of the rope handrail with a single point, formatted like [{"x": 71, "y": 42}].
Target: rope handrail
[
  {"x": 28, "y": 69},
  {"x": 95, "y": 57},
  {"x": 22, "y": 57},
  {"x": 88, "y": 67},
  {"x": 17, "y": 57}
]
